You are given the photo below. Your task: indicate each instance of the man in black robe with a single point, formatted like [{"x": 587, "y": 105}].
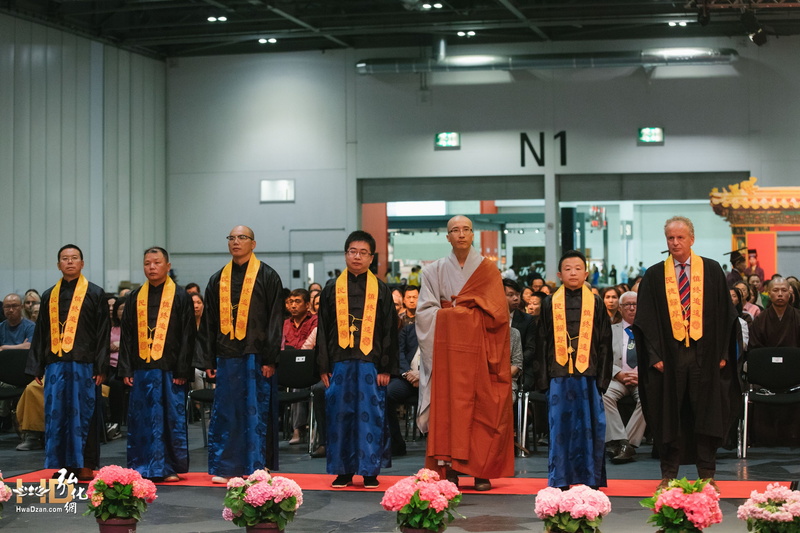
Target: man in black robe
[
  {"x": 155, "y": 359},
  {"x": 80, "y": 354},
  {"x": 687, "y": 356},
  {"x": 778, "y": 324},
  {"x": 239, "y": 343}
]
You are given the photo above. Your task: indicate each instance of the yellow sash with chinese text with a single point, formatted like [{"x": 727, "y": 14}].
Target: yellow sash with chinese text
[
  {"x": 691, "y": 326},
  {"x": 344, "y": 325},
  {"x": 243, "y": 308},
  {"x": 153, "y": 348},
  {"x": 560, "y": 333},
  {"x": 63, "y": 341}
]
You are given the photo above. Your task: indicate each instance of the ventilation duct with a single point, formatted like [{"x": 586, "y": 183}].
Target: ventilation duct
[{"x": 653, "y": 57}]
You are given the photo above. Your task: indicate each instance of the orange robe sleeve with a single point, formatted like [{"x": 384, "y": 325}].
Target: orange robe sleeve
[{"x": 471, "y": 421}]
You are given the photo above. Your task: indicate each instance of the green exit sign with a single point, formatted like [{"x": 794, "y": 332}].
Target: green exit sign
[
  {"x": 650, "y": 136},
  {"x": 447, "y": 140}
]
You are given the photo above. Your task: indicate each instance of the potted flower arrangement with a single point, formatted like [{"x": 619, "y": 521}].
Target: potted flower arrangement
[
  {"x": 579, "y": 509},
  {"x": 118, "y": 497},
  {"x": 5, "y": 494},
  {"x": 262, "y": 501},
  {"x": 684, "y": 507},
  {"x": 423, "y": 502},
  {"x": 777, "y": 510}
]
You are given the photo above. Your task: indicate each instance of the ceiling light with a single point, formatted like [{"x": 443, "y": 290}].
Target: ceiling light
[
  {"x": 759, "y": 38},
  {"x": 753, "y": 28},
  {"x": 222, "y": 19},
  {"x": 470, "y": 34},
  {"x": 212, "y": 19},
  {"x": 461, "y": 34},
  {"x": 437, "y": 5},
  {"x": 426, "y": 6},
  {"x": 673, "y": 24},
  {"x": 272, "y": 40},
  {"x": 682, "y": 24}
]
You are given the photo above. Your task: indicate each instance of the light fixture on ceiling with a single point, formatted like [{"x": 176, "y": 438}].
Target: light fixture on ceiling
[
  {"x": 271, "y": 40},
  {"x": 466, "y": 34},
  {"x": 222, "y": 18},
  {"x": 681, "y": 23},
  {"x": 428, "y": 6},
  {"x": 703, "y": 16},
  {"x": 753, "y": 28}
]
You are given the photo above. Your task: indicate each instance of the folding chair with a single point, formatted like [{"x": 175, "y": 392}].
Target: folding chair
[
  {"x": 297, "y": 369},
  {"x": 773, "y": 377}
]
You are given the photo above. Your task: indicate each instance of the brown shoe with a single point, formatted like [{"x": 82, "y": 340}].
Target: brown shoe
[
  {"x": 713, "y": 484},
  {"x": 626, "y": 454},
  {"x": 319, "y": 452},
  {"x": 482, "y": 484},
  {"x": 664, "y": 484}
]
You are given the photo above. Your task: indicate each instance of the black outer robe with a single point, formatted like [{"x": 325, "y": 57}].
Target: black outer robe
[
  {"x": 385, "y": 352},
  {"x": 264, "y": 322},
  {"x": 91, "y": 344},
  {"x": 654, "y": 343},
  {"x": 179, "y": 346},
  {"x": 601, "y": 358}
]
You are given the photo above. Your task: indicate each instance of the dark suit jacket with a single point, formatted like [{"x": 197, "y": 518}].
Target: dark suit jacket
[{"x": 524, "y": 323}]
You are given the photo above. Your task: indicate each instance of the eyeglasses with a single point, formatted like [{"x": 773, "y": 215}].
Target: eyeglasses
[
  {"x": 239, "y": 237},
  {"x": 627, "y": 305},
  {"x": 460, "y": 231},
  {"x": 352, "y": 252}
]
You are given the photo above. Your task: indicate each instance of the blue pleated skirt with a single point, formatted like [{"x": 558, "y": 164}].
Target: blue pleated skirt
[
  {"x": 69, "y": 402},
  {"x": 577, "y": 432},
  {"x": 157, "y": 432},
  {"x": 358, "y": 429},
  {"x": 242, "y": 433}
]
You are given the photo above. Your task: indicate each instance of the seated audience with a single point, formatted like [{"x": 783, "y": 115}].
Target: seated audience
[
  {"x": 779, "y": 324},
  {"x": 610, "y": 297},
  {"x": 30, "y": 299},
  {"x": 622, "y": 440}
]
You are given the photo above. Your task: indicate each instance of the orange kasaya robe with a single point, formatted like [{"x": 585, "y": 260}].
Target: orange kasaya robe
[{"x": 471, "y": 420}]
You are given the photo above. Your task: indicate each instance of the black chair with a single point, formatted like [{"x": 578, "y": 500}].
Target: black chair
[
  {"x": 773, "y": 377},
  {"x": 297, "y": 369},
  {"x": 12, "y": 372},
  {"x": 204, "y": 397}
]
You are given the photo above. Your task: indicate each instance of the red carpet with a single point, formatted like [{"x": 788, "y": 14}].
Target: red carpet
[{"x": 638, "y": 488}]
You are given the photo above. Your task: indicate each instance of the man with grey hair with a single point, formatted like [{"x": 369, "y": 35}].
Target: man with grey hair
[
  {"x": 685, "y": 330},
  {"x": 16, "y": 332},
  {"x": 778, "y": 324},
  {"x": 622, "y": 440}
]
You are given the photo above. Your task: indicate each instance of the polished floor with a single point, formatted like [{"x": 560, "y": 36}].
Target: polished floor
[{"x": 198, "y": 509}]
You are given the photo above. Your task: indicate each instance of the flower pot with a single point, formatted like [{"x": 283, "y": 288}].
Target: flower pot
[
  {"x": 117, "y": 525},
  {"x": 264, "y": 526}
]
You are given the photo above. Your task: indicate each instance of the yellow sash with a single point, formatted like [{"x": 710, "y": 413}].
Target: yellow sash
[
  {"x": 560, "y": 333},
  {"x": 243, "y": 308},
  {"x": 345, "y": 326},
  {"x": 681, "y": 325},
  {"x": 57, "y": 345},
  {"x": 153, "y": 348}
]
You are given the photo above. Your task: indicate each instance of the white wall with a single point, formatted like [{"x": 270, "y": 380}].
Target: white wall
[{"x": 81, "y": 155}]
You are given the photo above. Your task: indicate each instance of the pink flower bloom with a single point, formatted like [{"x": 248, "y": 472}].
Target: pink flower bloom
[
  {"x": 259, "y": 475},
  {"x": 236, "y": 482},
  {"x": 227, "y": 514}
]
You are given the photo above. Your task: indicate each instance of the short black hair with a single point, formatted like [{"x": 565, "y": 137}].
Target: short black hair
[
  {"x": 571, "y": 253},
  {"x": 157, "y": 249},
  {"x": 304, "y": 294},
  {"x": 409, "y": 288},
  {"x": 360, "y": 235},
  {"x": 539, "y": 294},
  {"x": 512, "y": 284},
  {"x": 192, "y": 285},
  {"x": 67, "y": 247}
]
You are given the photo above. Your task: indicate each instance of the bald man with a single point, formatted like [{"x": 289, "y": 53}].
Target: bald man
[
  {"x": 240, "y": 339},
  {"x": 465, "y": 368},
  {"x": 778, "y": 324}
]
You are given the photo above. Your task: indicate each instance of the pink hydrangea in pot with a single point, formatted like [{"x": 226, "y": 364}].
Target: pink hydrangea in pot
[
  {"x": 684, "y": 506},
  {"x": 776, "y": 510},
  {"x": 119, "y": 495},
  {"x": 423, "y": 502},
  {"x": 579, "y": 509},
  {"x": 262, "y": 499},
  {"x": 5, "y": 494}
]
